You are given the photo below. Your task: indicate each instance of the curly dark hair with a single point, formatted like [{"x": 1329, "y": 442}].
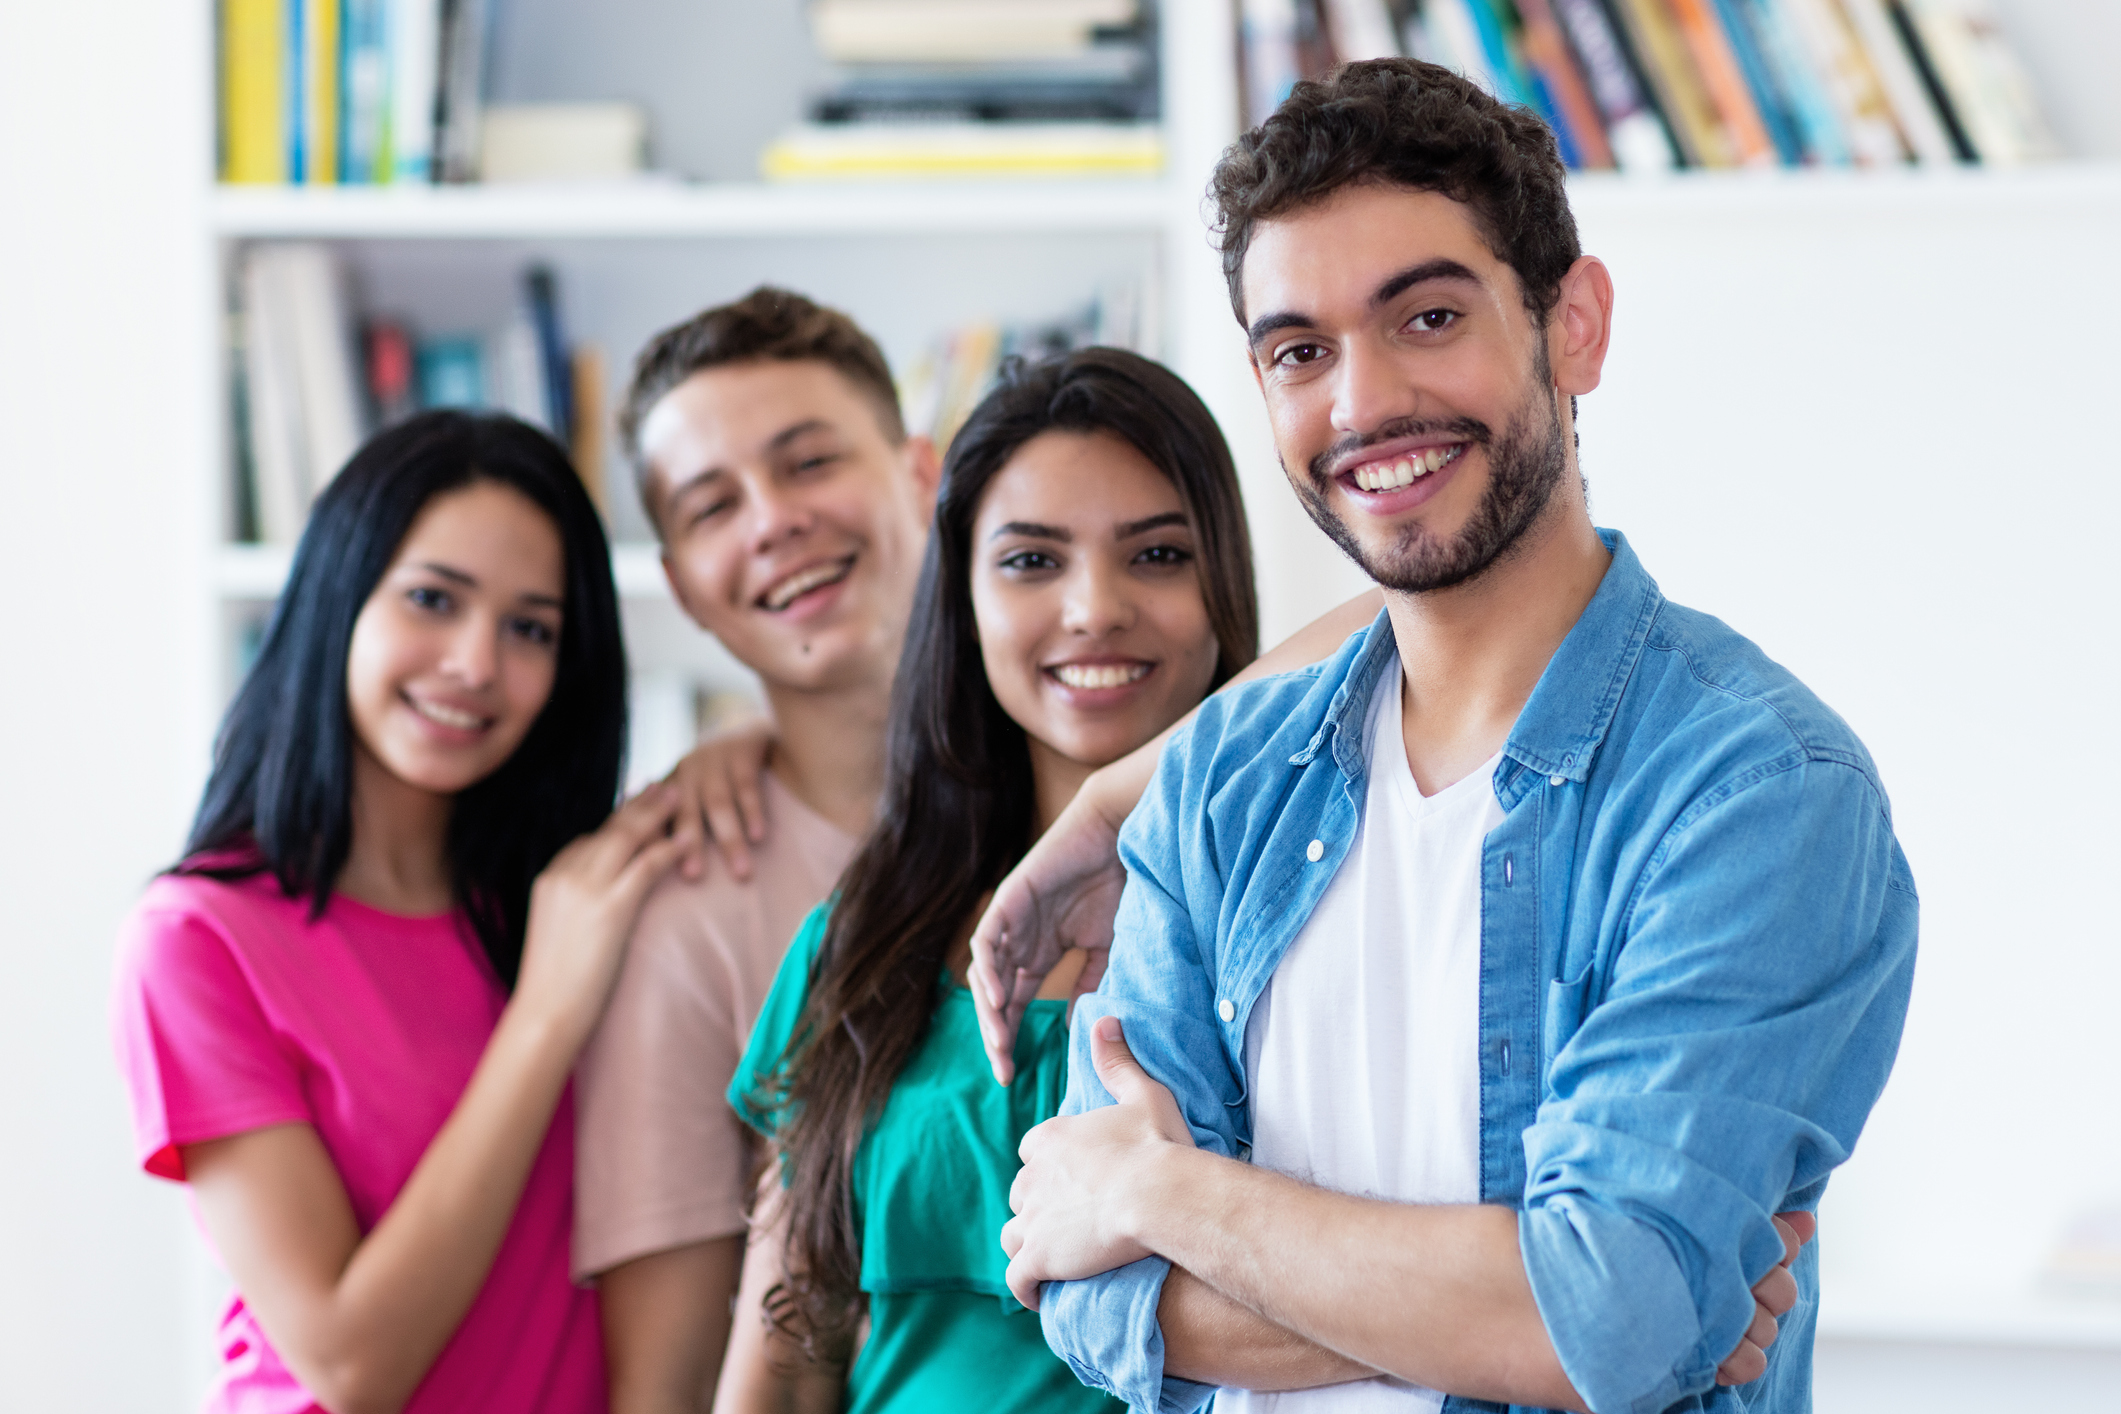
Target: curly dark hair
[
  {"x": 1401, "y": 122},
  {"x": 767, "y": 324}
]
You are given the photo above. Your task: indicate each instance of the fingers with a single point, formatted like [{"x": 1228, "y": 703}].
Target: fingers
[
  {"x": 996, "y": 1036},
  {"x": 1022, "y": 1285},
  {"x": 1116, "y": 1066},
  {"x": 1093, "y": 973},
  {"x": 1797, "y": 1224},
  {"x": 644, "y": 869},
  {"x": 1777, "y": 1291},
  {"x": 1743, "y": 1366},
  {"x": 752, "y": 806}
]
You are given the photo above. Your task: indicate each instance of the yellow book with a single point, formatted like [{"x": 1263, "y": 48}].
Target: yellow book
[
  {"x": 253, "y": 91},
  {"x": 320, "y": 92},
  {"x": 974, "y": 150}
]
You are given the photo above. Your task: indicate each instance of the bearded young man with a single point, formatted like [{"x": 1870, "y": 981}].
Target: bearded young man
[{"x": 1536, "y": 949}]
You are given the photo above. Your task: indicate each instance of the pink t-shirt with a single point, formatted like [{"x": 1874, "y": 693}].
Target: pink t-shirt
[{"x": 235, "y": 1011}]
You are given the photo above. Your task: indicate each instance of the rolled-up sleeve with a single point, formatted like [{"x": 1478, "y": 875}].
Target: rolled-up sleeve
[
  {"x": 1160, "y": 984},
  {"x": 1749, "y": 1021}
]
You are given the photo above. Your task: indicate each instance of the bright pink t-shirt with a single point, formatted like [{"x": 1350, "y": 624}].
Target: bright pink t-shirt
[{"x": 235, "y": 1011}]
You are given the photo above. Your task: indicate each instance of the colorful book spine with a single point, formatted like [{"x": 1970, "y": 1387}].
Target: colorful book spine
[
  {"x": 321, "y": 68},
  {"x": 254, "y": 94},
  {"x": 1837, "y": 55},
  {"x": 415, "y": 38},
  {"x": 1811, "y": 109},
  {"x": 1932, "y": 83},
  {"x": 1513, "y": 83},
  {"x": 1770, "y": 95},
  {"x": 1546, "y": 50},
  {"x": 364, "y": 91},
  {"x": 1710, "y": 49},
  {"x": 1634, "y": 129},
  {"x": 1680, "y": 91}
]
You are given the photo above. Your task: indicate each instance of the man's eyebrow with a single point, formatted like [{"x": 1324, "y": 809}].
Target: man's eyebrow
[
  {"x": 1442, "y": 268},
  {"x": 1267, "y": 324},
  {"x": 1032, "y": 530},
  {"x": 788, "y": 434},
  {"x": 1127, "y": 530}
]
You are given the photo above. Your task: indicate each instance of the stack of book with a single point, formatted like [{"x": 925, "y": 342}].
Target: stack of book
[
  {"x": 979, "y": 88},
  {"x": 1653, "y": 84},
  {"x": 310, "y": 380},
  {"x": 947, "y": 382},
  {"x": 325, "y": 92}
]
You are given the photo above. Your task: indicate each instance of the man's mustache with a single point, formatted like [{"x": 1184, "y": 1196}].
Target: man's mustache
[{"x": 1329, "y": 463}]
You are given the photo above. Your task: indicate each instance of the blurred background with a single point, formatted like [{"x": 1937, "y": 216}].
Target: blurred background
[{"x": 1858, "y": 405}]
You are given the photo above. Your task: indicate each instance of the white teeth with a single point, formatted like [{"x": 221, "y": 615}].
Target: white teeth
[
  {"x": 797, "y": 585},
  {"x": 1095, "y": 675},
  {"x": 448, "y": 716},
  {"x": 1406, "y": 470}
]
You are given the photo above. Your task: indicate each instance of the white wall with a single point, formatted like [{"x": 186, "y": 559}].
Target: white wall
[{"x": 103, "y": 399}]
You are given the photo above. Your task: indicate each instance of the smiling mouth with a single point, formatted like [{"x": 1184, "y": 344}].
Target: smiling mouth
[
  {"x": 1407, "y": 469},
  {"x": 779, "y": 596},
  {"x": 1091, "y": 676},
  {"x": 443, "y": 715}
]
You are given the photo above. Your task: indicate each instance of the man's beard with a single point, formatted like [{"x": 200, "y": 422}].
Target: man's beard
[{"x": 1525, "y": 464}]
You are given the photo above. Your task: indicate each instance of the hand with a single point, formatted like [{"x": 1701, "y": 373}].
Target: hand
[
  {"x": 583, "y": 906},
  {"x": 1070, "y": 1197},
  {"x": 1063, "y": 895},
  {"x": 718, "y": 797},
  {"x": 1773, "y": 1296}
]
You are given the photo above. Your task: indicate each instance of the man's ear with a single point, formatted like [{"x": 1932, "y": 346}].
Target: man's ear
[
  {"x": 926, "y": 464},
  {"x": 1581, "y": 326}
]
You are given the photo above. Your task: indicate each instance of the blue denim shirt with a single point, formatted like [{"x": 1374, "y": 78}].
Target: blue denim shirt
[{"x": 1697, "y": 940}]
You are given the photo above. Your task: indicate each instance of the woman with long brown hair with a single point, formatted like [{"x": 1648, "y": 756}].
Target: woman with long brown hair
[{"x": 1087, "y": 582}]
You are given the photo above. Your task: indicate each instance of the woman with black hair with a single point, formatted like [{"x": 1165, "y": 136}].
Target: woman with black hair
[
  {"x": 347, "y": 1016},
  {"x": 1088, "y": 580}
]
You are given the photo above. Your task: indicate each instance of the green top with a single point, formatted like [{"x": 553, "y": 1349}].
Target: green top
[{"x": 931, "y": 1192}]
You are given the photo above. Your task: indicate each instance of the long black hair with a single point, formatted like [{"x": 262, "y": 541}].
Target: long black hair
[
  {"x": 281, "y": 794},
  {"x": 958, "y": 801}
]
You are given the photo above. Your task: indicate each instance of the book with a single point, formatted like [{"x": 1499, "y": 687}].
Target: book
[
  {"x": 1634, "y": 130},
  {"x": 1361, "y": 29},
  {"x": 1914, "y": 106},
  {"x": 817, "y": 151},
  {"x": 414, "y": 31},
  {"x": 1770, "y": 85},
  {"x": 1932, "y": 84},
  {"x": 1711, "y": 50},
  {"x": 461, "y": 67},
  {"x": 541, "y": 301},
  {"x": 1513, "y": 82},
  {"x": 364, "y": 94},
  {"x": 321, "y": 344},
  {"x": 1838, "y": 57},
  {"x": 1444, "y": 32},
  {"x": 452, "y": 373},
  {"x": 254, "y": 91},
  {"x": 1989, "y": 90},
  {"x": 318, "y": 121},
  {"x": 1811, "y": 109},
  {"x": 850, "y": 31},
  {"x": 388, "y": 361},
  {"x": 1270, "y": 67},
  {"x": 271, "y": 400},
  {"x": 1661, "y": 50},
  {"x": 1546, "y": 49},
  {"x": 591, "y": 419}
]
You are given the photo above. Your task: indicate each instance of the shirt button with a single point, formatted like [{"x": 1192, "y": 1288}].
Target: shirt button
[
  {"x": 1556, "y": 780},
  {"x": 1226, "y": 1009},
  {"x": 1316, "y": 852}
]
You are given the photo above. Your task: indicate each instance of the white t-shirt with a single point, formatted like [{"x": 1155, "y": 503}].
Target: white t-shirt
[{"x": 1363, "y": 1053}]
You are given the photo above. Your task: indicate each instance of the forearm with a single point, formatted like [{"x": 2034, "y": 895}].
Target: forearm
[
  {"x": 1212, "y": 1340},
  {"x": 1433, "y": 1294},
  {"x": 666, "y": 1326},
  {"x": 406, "y": 1286}
]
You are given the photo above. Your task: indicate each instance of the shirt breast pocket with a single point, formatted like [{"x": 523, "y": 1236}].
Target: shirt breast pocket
[{"x": 1567, "y": 1002}]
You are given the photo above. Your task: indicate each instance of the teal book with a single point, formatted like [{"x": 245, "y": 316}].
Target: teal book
[{"x": 1770, "y": 94}]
